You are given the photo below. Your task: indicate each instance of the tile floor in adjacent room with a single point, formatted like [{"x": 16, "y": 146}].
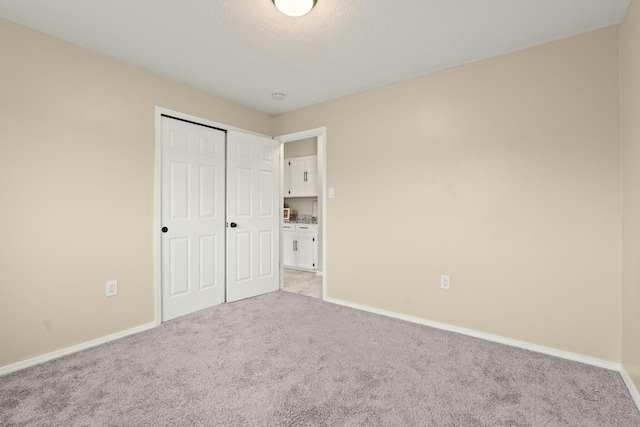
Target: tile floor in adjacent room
[{"x": 302, "y": 282}]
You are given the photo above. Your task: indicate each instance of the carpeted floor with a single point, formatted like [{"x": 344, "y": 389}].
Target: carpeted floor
[{"x": 284, "y": 359}]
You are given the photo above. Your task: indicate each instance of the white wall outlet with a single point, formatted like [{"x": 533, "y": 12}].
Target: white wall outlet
[
  {"x": 112, "y": 288},
  {"x": 445, "y": 282}
]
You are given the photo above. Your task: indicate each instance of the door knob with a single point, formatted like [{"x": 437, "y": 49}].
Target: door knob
[
  {"x": 165, "y": 229},
  {"x": 233, "y": 225}
]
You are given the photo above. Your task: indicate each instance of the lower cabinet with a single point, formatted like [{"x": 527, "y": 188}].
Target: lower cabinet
[
  {"x": 300, "y": 246},
  {"x": 289, "y": 247}
]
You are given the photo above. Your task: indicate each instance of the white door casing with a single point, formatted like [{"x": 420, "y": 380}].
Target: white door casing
[
  {"x": 193, "y": 211},
  {"x": 286, "y": 176},
  {"x": 253, "y": 215}
]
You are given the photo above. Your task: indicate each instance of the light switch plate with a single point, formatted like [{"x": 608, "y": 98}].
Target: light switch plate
[
  {"x": 332, "y": 193},
  {"x": 112, "y": 288}
]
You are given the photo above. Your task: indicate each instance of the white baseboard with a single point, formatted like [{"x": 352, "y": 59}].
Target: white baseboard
[
  {"x": 485, "y": 336},
  {"x": 632, "y": 388},
  {"x": 470, "y": 332},
  {"x": 507, "y": 341},
  {"x": 310, "y": 270},
  {"x": 65, "y": 351}
]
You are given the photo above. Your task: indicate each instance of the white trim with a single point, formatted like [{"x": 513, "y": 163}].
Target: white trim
[
  {"x": 485, "y": 336},
  {"x": 308, "y": 270},
  {"x": 321, "y": 134},
  {"x": 223, "y": 126},
  {"x": 514, "y": 343},
  {"x": 325, "y": 241},
  {"x": 73, "y": 349},
  {"x": 309, "y": 133},
  {"x": 318, "y": 273},
  {"x": 157, "y": 202},
  {"x": 281, "y": 232},
  {"x": 157, "y": 219},
  {"x": 632, "y": 388}
]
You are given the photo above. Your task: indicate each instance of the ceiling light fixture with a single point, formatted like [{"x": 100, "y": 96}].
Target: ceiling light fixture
[
  {"x": 294, "y": 8},
  {"x": 277, "y": 96}
]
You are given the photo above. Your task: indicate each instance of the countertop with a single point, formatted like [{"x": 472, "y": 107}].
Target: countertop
[{"x": 314, "y": 222}]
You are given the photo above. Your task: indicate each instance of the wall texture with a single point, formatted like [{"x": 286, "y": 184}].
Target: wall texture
[
  {"x": 300, "y": 205},
  {"x": 76, "y": 189},
  {"x": 630, "y": 135},
  {"x": 303, "y": 147},
  {"x": 503, "y": 174}
]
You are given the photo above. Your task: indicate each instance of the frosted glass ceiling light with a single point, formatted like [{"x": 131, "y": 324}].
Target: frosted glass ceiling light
[{"x": 294, "y": 8}]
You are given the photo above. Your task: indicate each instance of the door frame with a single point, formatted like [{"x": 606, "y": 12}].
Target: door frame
[
  {"x": 157, "y": 199},
  {"x": 321, "y": 135}
]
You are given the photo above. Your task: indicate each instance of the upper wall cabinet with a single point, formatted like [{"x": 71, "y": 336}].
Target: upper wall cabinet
[{"x": 301, "y": 176}]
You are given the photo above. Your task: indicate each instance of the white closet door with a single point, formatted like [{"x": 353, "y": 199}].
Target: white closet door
[
  {"x": 253, "y": 215},
  {"x": 193, "y": 212}
]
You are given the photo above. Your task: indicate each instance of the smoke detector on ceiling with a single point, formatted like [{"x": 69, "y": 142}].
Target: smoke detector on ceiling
[
  {"x": 294, "y": 8},
  {"x": 277, "y": 96}
]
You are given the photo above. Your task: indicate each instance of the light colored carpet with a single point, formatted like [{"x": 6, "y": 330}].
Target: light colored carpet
[{"x": 283, "y": 359}]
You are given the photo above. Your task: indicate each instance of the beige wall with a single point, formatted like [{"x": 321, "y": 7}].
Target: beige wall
[
  {"x": 503, "y": 174},
  {"x": 300, "y": 205},
  {"x": 303, "y": 147},
  {"x": 76, "y": 189},
  {"x": 630, "y": 124}
]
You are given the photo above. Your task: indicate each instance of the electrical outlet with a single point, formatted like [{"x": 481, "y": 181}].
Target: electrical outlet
[
  {"x": 445, "y": 282},
  {"x": 112, "y": 288}
]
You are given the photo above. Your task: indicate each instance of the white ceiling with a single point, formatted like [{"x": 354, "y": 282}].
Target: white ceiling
[{"x": 244, "y": 50}]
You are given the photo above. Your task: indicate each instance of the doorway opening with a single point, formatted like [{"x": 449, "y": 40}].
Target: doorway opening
[{"x": 303, "y": 232}]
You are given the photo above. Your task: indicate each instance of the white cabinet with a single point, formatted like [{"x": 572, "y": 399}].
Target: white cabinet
[
  {"x": 300, "y": 246},
  {"x": 306, "y": 246},
  {"x": 289, "y": 245},
  {"x": 301, "y": 176}
]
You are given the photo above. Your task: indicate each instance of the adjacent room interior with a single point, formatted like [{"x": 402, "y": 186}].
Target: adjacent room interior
[
  {"x": 301, "y": 230},
  {"x": 473, "y": 230}
]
